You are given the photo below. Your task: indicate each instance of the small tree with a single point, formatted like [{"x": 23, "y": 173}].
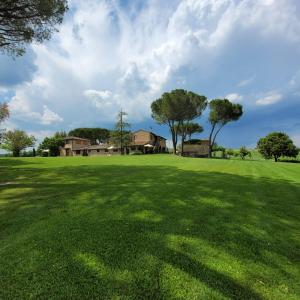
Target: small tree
[
  {"x": 217, "y": 148},
  {"x": 24, "y": 21},
  {"x": 244, "y": 152},
  {"x": 53, "y": 144},
  {"x": 275, "y": 145},
  {"x": 222, "y": 111},
  {"x": 4, "y": 114},
  {"x": 229, "y": 152},
  {"x": 121, "y": 136},
  {"x": 95, "y": 135},
  {"x": 16, "y": 141}
]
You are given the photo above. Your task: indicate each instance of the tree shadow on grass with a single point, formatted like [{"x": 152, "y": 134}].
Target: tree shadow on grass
[{"x": 99, "y": 219}]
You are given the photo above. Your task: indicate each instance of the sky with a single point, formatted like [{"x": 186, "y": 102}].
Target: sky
[{"x": 114, "y": 54}]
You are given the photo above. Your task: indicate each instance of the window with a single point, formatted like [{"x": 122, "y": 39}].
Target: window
[
  {"x": 106, "y": 150},
  {"x": 115, "y": 150},
  {"x": 98, "y": 150},
  {"x": 77, "y": 151}
]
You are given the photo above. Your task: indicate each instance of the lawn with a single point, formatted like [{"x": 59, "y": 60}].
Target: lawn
[{"x": 149, "y": 227}]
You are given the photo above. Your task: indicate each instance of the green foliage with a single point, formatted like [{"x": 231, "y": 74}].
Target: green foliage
[
  {"x": 24, "y": 21},
  {"x": 176, "y": 109},
  {"x": 244, "y": 152},
  {"x": 52, "y": 144},
  {"x": 93, "y": 134},
  {"x": 193, "y": 142},
  {"x": 121, "y": 136},
  {"x": 230, "y": 152},
  {"x": 275, "y": 145},
  {"x": 4, "y": 112},
  {"x": 222, "y": 111},
  {"x": 16, "y": 141},
  {"x": 188, "y": 129}
]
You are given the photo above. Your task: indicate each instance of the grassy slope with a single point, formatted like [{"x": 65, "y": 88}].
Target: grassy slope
[{"x": 149, "y": 227}]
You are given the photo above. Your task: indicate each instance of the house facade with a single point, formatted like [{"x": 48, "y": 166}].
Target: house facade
[
  {"x": 142, "y": 141},
  {"x": 147, "y": 142},
  {"x": 199, "y": 149}
]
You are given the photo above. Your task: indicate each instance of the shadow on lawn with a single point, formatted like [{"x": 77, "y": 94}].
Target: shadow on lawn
[{"x": 138, "y": 219}]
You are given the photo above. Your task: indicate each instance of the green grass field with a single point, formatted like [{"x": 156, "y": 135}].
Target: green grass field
[{"x": 149, "y": 227}]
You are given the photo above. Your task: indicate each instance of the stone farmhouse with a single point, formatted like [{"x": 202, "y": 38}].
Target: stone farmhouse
[
  {"x": 143, "y": 141},
  {"x": 199, "y": 149}
]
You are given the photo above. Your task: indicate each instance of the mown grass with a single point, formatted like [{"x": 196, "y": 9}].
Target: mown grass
[{"x": 149, "y": 227}]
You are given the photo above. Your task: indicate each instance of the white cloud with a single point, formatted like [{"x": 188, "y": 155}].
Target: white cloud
[
  {"x": 296, "y": 139},
  {"x": 270, "y": 99},
  {"x": 20, "y": 110},
  {"x": 245, "y": 82},
  {"x": 234, "y": 97},
  {"x": 106, "y": 59},
  {"x": 49, "y": 116}
]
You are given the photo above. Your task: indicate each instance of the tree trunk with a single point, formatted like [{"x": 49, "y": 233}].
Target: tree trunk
[
  {"x": 16, "y": 152},
  {"x": 174, "y": 143},
  {"x": 174, "y": 136},
  {"x": 210, "y": 144},
  {"x": 182, "y": 141},
  {"x": 276, "y": 158}
]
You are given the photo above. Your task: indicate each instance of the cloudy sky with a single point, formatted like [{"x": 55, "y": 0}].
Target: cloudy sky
[{"x": 112, "y": 54}]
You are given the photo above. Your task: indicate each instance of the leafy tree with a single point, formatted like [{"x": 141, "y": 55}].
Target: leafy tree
[
  {"x": 177, "y": 109},
  {"x": 93, "y": 134},
  {"x": 121, "y": 136},
  {"x": 230, "y": 152},
  {"x": 275, "y": 145},
  {"x": 4, "y": 114},
  {"x": 24, "y": 21},
  {"x": 60, "y": 134},
  {"x": 222, "y": 111},
  {"x": 189, "y": 129},
  {"x": 217, "y": 148},
  {"x": 52, "y": 144},
  {"x": 244, "y": 152},
  {"x": 16, "y": 141},
  {"x": 193, "y": 128}
]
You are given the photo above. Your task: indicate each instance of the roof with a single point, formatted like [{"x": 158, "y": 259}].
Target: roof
[
  {"x": 75, "y": 138},
  {"x": 150, "y": 132}
]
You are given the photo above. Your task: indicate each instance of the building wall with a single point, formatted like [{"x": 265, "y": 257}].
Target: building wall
[
  {"x": 196, "y": 150},
  {"x": 162, "y": 143},
  {"x": 141, "y": 137},
  {"x": 98, "y": 152}
]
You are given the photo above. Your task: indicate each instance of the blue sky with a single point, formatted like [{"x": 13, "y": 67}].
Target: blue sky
[{"x": 113, "y": 54}]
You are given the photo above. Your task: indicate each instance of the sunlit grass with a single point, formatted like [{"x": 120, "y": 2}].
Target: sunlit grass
[{"x": 149, "y": 227}]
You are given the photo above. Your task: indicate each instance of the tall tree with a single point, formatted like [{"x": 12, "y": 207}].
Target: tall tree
[
  {"x": 95, "y": 135},
  {"x": 187, "y": 129},
  {"x": 24, "y": 21},
  {"x": 4, "y": 114},
  {"x": 121, "y": 136},
  {"x": 52, "y": 144},
  {"x": 16, "y": 141},
  {"x": 222, "y": 111},
  {"x": 275, "y": 145},
  {"x": 177, "y": 109},
  {"x": 193, "y": 128}
]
